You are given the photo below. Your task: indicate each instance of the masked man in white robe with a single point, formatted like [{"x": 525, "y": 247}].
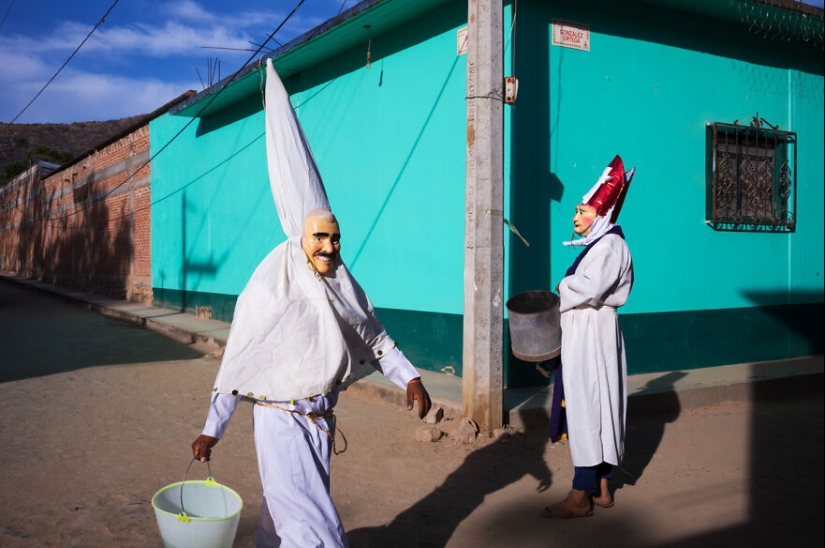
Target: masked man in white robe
[
  {"x": 592, "y": 346},
  {"x": 301, "y": 325}
]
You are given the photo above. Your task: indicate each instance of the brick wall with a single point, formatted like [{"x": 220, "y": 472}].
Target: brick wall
[{"x": 86, "y": 226}]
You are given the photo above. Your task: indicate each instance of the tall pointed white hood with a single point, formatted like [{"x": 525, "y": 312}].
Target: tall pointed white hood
[{"x": 296, "y": 334}]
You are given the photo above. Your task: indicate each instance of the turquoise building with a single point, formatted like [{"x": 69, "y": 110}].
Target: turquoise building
[{"x": 718, "y": 106}]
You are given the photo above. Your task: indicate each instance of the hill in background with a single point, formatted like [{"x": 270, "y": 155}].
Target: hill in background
[{"x": 22, "y": 145}]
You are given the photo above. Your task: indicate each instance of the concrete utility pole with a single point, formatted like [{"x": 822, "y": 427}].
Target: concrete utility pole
[{"x": 484, "y": 240}]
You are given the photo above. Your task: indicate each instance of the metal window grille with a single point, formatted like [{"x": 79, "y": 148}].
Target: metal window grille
[{"x": 751, "y": 177}]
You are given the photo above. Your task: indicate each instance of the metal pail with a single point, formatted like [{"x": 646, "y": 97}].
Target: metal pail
[{"x": 535, "y": 328}]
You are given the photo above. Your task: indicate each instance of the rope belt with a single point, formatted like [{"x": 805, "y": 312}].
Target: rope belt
[{"x": 312, "y": 418}]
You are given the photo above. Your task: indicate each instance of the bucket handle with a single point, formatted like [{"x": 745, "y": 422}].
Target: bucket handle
[{"x": 209, "y": 479}]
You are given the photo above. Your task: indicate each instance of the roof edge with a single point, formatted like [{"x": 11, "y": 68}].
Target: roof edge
[
  {"x": 289, "y": 46},
  {"x": 141, "y": 121}
]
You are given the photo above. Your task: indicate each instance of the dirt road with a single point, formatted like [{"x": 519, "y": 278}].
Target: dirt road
[{"x": 85, "y": 450}]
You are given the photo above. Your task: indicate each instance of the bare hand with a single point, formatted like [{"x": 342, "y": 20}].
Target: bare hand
[
  {"x": 202, "y": 447},
  {"x": 416, "y": 391}
]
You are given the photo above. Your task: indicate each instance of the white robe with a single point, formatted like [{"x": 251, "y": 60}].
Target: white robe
[
  {"x": 294, "y": 334},
  {"x": 294, "y": 461},
  {"x": 295, "y": 337},
  {"x": 592, "y": 352}
]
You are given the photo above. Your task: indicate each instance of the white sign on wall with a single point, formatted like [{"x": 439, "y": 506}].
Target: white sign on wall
[
  {"x": 571, "y": 35},
  {"x": 462, "y": 41}
]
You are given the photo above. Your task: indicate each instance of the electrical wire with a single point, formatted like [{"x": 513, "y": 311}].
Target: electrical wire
[
  {"x": 190, "y": 122},
  {"x": 8, "y": 9},
  {"x": 102, "y": 20}
]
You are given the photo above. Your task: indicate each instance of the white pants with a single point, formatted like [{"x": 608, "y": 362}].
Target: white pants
[{"x": 293, "y": 460}]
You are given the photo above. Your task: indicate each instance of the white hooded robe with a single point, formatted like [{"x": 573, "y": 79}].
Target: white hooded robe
[
  {"x": 592, "y": 352},
  {"x": 295, "y": 337}
]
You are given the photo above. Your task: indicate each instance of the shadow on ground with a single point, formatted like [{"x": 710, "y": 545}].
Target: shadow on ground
[
  {"x": 42, "y": 335},
  {"x": 491, "y": 468}
]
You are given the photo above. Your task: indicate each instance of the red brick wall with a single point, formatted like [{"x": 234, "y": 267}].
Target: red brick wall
[{"x": 86, "y": 226}]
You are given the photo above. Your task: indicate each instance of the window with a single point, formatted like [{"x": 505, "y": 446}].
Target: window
[{"x": 751, "y": 177}]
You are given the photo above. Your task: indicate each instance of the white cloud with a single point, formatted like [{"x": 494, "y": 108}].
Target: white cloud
[
  {"x": 65, "y": 38},
  {"x": 184, "y": 35},
  {"x": 173, "y": 39},
  {"x": 150, "y": 58},
  {"x": 188, "y": 10},
  {"x": 20, "y": 66},
  {"x": 104, "y": 97}
]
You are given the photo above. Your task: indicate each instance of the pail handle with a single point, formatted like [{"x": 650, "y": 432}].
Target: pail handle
[{"x": 182, "y": 516}]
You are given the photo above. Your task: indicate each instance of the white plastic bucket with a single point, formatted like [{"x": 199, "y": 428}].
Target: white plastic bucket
[{"x": 197, "y": 514}]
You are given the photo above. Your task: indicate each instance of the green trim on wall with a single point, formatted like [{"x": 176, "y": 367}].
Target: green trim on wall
[
  {"x": 707, "y": 338},
  {"x": 223, "y": 306},
  {"x": 654, "y": 343},
  {"x": 431, "y": 341},
  {"x": 674, "y": 341}
]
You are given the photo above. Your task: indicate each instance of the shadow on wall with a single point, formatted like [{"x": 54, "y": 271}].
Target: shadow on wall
[
  {"x": 655, "y": 342},
  {"x": 87, "y": 245},
  {"x": 697, "y": 339},
  {"x": 193, "y": 265},
  {"x": 799, "y": 314}
]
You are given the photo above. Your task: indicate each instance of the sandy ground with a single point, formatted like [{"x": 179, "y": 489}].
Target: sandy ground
[
  {"x": 84, "y": 451},
  {"x": 97, "y": 415}
]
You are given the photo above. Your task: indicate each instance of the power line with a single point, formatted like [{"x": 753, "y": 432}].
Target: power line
[
  {"x": 8, "y": 9},
  {"x": 192, "y": 119},
  {"x": 102, "y": 20}
]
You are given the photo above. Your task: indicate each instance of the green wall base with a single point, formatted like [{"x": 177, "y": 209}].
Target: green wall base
[{"x": 674, "y": 341}]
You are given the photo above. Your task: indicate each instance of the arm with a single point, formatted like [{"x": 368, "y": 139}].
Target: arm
[
  {"x": 397, "y": 368},
  {"x": 220, "y": 411},
  {"x": 595, "y": 279}
]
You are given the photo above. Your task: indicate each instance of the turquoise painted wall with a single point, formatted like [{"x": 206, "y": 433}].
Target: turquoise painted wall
[
  {"x": 650, "y": 101},
  {"x": 389, "y": 143},
  {"x": 213, "y": 217},
  {"x": 389, "y": 140},
  {"x": 646, "y": 90}
]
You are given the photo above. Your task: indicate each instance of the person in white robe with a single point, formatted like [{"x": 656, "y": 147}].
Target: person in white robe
[
  {"x": 301, "y": 325},
  {"x": 592, "y": 345}
]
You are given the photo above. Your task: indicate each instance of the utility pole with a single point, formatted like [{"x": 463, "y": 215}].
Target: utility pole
[{"x": 482, "y": 382}]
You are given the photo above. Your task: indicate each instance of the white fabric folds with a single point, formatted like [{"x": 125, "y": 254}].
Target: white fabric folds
[
  {"x": 293, "y": 176},
  {"x": 296, "y": 334}
]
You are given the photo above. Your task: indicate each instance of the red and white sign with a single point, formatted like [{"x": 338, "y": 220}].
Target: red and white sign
[{"x": 571, "y": 35}]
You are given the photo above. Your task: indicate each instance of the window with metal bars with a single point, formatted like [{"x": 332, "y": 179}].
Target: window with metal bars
[{"x": 751, "y": 177}]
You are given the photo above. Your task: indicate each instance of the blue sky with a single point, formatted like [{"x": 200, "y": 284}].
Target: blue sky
[{"x": 145, "y": 53}]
